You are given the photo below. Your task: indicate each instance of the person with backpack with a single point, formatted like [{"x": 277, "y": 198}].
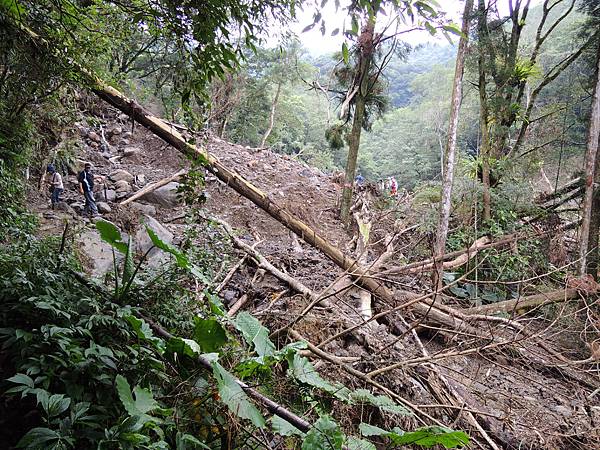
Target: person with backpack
[
  {"x": 55, "y": 185},
  {"x": 86, "y": 187}
]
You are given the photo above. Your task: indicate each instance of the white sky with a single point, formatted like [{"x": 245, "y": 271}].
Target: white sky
[{"x": 318, "y": 44}]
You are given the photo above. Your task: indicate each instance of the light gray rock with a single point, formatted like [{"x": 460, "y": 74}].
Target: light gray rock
[
  {"x": 65, "y": 207},
  {"x": 165, "y": 196},
  {"x": 120, "y": 175},
  {"x": 156, "y": 257},
  {"x": 123, "y": 117},
  {"x": 143, "y": 209},
  {"x": 103, "y": 207},
  {"x": 127, "y": 135},
  {"x": 116, "y": 130},
  {"x": 110, "y": 195},
  {"x": 140, "y": 179},
  {"x": 124, "y": 142},
  {"x": 122, "y": 186},
  {"x": 98, "y": 253}
]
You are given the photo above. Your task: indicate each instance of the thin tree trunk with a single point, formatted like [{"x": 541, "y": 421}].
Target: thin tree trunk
[
  {"x": 591, "y": 164},
  {"x": 364, "y": 64},
  {"x": 449, "y": 159},
  {"x": 272, "y": 115},
  {"x": 484, "y": 147}
]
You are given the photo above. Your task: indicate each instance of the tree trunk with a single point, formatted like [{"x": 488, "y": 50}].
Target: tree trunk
[
  {"x": 364, "y": 64},
  {"x": 591, "y": 166},
  {"x": 484, "y": 147},
  {"x": 272, "y": 115},
  {"x": 449, "y": 158}
]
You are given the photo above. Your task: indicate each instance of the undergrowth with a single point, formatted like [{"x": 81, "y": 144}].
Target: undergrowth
[{"x": 82, "y": 368}]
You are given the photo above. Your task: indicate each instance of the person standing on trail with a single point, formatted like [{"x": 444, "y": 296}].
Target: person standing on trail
[
  {"x": 393, "y": 187},
  {"x": 360, "y": 180},
  {"x": 86, "y": 187},
  {"x": 55, "y": 184}
]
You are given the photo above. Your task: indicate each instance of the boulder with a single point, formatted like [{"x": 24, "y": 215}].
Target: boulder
[
  {"x": 122, "y": 186},
  {"x": 148, "y": 210},
  {"x": 120, "y": 175},
  {"x": 123, "y": 117},
  {"x": 103, "y": 207},
  {"x": 127, "y": 135},
  {"x": 98, "y": 254},
  {"x": 116, "y": 130},
  {"x": 140, "y": 179},
  {"x": 109, "y": 195},
  {"x": 165, "y": 196},
  {"x": 156, "y": 257},
  {"x": 93, "y": 136},
  {"x": 124, "y": 142},
  {"x": 65, "y": 207}
]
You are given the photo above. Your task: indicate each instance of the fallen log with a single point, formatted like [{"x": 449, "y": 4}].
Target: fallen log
[
  {"x": 527, "y": 302},
  {"x": 154, "y": 186},
  {"x": 419, "y": 265}
]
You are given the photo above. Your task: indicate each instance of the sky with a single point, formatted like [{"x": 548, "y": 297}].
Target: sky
[{"x": 318, "y": 44}]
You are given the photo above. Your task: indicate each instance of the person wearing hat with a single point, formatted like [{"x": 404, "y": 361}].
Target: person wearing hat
[
  {"x": 86, "y": 187},
  {"x": 55, "y": 184}
]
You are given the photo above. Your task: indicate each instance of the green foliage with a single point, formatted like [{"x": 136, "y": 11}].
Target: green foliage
[{"x": 423, "y": 437}]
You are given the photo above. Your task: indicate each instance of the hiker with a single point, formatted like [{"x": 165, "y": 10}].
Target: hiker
[
  {"x": 393, "y": 187},
  {"x": 55, "y": 185},
  {"x": 86, "y": 187},
  {"x": 359, "y": 179}
]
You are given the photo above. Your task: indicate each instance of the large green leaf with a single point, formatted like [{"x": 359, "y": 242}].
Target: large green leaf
[
  {"x": 180, "y": 257},
  {"x": 111, "y": 235},
  {"x": 353, "y": 443},
  {"x": 209, "y": 334},
  {"x": 38, "y": 438},
  {"x": 302, "y": 369},
  {"x": 284, "y": 428},
  {"x": 141, "y": 405},
  {"x": 182, "y": 346},
  {"x": 254, "y": 334},
  {"x": 383, "y": 402},
  {"x": 235, "y": 398},
  {"x": 424, "y": 437},
  {"x": 324, "y": 435}
]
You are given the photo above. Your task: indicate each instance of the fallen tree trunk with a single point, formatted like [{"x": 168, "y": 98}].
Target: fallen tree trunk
[
  {"x": 527, "y": 302},
  {"x": 154, "y": 186},
  {"x": 424, "y": 264}
]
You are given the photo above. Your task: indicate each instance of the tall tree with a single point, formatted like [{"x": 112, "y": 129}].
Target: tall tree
[
  {"x": 366, "y": 47},
  {"x": 450, "y": 149},
  {"x": 505, "y": 71},
  {"x": 590, "y": 209}
]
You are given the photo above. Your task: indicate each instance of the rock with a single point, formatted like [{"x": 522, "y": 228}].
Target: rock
[
  {"x": 164, "y": 196},
  {"x": 106, "y": 155},
  {"x": 121, "y": 195},
  {"x": 103, "y": 207},
  {"x": 123, "y": 117},
  {"x": 115, "y": 131},
  {"x": 131, "y": 151},
  {"x": 109, "y": 195},
  {"x": 78, "y": 206},
  {"x": 65, "y": 207},
  {"x": 122, "y": 186},
  {"x": 144, "y": 243},
  {"x": 229, "y": 296},
  {"x": 127, "y": 135},
  {"x": 94, "y": 145},
  {"x": 140, "y": 179},
  {"x": 148, "y": 210},
  {"x": 120, "y": 175},
  {"x": 124, "y": 142},
  {"x": 98, "y": 253},
  {"x": 92, "y": 135}
]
